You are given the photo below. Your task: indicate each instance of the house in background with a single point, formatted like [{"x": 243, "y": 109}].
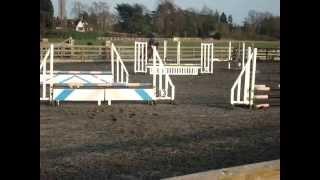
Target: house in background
[{"x": 83, "y": 26}]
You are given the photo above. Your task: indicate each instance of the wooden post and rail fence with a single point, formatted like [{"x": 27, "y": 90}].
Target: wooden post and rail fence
[{"x": 69, "y": 52}]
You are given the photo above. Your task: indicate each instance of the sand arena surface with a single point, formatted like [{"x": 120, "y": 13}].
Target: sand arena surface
[{"x": 202, "y": 131}]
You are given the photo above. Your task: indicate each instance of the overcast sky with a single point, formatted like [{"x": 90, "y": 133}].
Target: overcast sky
[{"x": 237, "y": 8}]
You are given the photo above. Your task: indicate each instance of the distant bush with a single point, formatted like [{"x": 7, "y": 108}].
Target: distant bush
[
  {"x": 106, "y": 34},
  {"x": 217, "y": 36},
  {"x": 64, "y": 34}
]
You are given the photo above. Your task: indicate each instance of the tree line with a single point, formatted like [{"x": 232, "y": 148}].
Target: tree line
[
  {"x": 169, "y": 20},
  {"x": 46, "y": 15}
]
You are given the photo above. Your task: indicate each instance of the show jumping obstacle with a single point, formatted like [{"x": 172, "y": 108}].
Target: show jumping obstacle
[
  {"x": 162, "y": 78},
  {"x": 100, "y": 86},
  {"x": 244, "y": 93},
  {"x": 238, "y": 55},
  {"x": 229, "y": 59},
  {"x": 141, "y": 63},
  {"x": 140, "y": 57}
]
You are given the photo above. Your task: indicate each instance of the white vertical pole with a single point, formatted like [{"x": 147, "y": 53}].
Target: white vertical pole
[
  {"x": 207, "y": 63},
  {"x": 154, "y": 69},
  {"x": 253, "y": 80},
  {"x": 112, "y": 60},
  {"x": 142, "y": 56},
  {"x": 118, "y": 68},
  {"x": 209, "y": 57},
  {"x": 211, "y": 52},
  {"x": 51, "y": 60},
  {"x": 229, "y": 56},
  {"x": 178, "y": 53},
  {"x": 121, "y": 74},
  {"x": 164, "y": 50},
  {"x": 135, "y": 56},
  {"x": 139, "y": 58},
  {"x": 166, "y": 85},
  {"x": 247, "y": 77},
  {"x": 211, "y": 60},
  {"x": 161, "y": 69},
  {"x": 146, "y": 58},
  {"x": 44, "y": 74},
  {"x": 145, "y": 55},
  {"x": 51, "y": 70},
  {"x": 243, "y": 53},
  {"x": 172, "y": 92},
  {"x": 201, "y": 58},
  {"x": 205, "y": 57}
]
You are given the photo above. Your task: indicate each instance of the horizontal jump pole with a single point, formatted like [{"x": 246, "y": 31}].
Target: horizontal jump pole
[
  {"x": 261, "y": 97},
  {"x": 102, "y": 85},
  {"x": 83, "y": 72},
  {"x": 262, "y": 106},
  {"x": 262, "y": 88},
  {"x": 44, "y": 99},
  {"x": 220, "y": 60},
  {"x": 176, "y": 65}
]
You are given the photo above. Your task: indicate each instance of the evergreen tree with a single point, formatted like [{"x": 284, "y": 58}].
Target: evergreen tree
[
  {"x": 46, "y": 14},
  {"x": 223, "y": 18},
  {"x": 230, "y": 19}
]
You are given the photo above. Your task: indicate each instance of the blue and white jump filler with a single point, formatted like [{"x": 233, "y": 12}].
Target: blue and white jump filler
[{"x": 101, "y": 86}]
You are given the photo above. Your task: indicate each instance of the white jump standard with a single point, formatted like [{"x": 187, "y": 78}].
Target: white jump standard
[
  {"x": 245, "y": 91},
  {"x": 98, "y": 86},
  {"x": 244, "y": 88},
  {"x": 229, "y": 58},
  {"x": 140, "y": 57},
  {"x": 205, "y": 66},
  {"x": 162, "y": 78}
]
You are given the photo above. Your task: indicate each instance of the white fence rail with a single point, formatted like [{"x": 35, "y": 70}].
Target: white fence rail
[{"x": 188, "y": 53}]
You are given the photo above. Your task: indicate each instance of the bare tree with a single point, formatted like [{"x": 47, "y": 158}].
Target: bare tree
[
  {"x": 254, "y": 21},
  {"x": 166, "y": 17},
  {"x": 78, "y": 8},
  {"x": 100, "y": 13}
]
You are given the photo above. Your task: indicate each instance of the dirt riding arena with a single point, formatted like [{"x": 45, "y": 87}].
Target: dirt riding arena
[{"x": 200, "y": 132}]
